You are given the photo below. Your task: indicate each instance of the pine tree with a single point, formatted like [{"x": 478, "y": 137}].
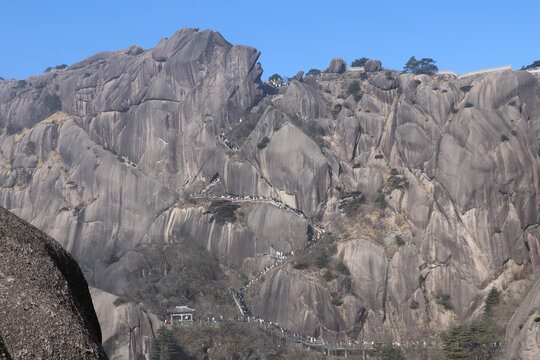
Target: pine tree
[
  {"x": 422, "y": 66},
  {"x": 457, "y": 343},
  {"x": 492, "y": 299}
]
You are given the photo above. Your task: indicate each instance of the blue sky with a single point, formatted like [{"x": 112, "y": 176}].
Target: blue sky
[{"x": 292, "y": 35}]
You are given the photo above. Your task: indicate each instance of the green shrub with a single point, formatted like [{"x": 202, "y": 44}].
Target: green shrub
[
  {"x": 336, "y": 110},
  {"x": 328, "y": 276},
  {"x": 262, "y": 144},
  {"x": 113, "y": 258},
  {"x": 276, "y": 77},
  {"x": 414, "y": 304},
  {"x": 497, "y": 230},
  {"x": 520, "y": 326},
  {"x": 359, "y": 62},
  {"x": 399, "y": 241},
  {"x": 13, "y": 129},
  {"x": 388, "y": 352},
  {"x": 30, "y": 148},
  {"x": 120, "y": 300},
  {"x": 353, "y": 88},
  {"x": 313, "y": 72},
  {"x": 222, "y": 210},
  {"x": 380, "y": 199},
  {"x": 321, "y": 260},
  {"x": 397, "y": 182},
  {"x": 300, "y": 265},
  {"x": 443, "y": 300},
  {"x": 537, "y": 319},
  {"x": 379, "y": 156},
  {"x": 350, "y": 202},
  {"x": 504, "y": 137},
  {"x": 336, "y": 302},
  {"x": 78, "y": 208},
  {"x": 60, "y": 67},
  {"x": 468, "y": 105},
  {"x": 342, "y": 268},
  {"x": 52, "y": 102},
  {"x": 466, "y": 88}
]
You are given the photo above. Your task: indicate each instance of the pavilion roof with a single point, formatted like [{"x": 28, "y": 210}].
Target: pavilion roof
[{"x": 180, "y": 310}]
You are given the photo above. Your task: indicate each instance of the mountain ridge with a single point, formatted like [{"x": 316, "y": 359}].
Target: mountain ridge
[{"x": 449, "y": 165}]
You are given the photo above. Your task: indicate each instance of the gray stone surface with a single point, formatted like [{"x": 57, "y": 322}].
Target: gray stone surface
[
  {"x": 127, "y": 329},
  {"x": 45, "y": 306},
  {"x": 297, "y": 303},
  {"x": 372, "y": 65},
  {"x": 523, "y": 331},
  {"x": 337, "y": 66},
  {"x": 140, "y": 134}
]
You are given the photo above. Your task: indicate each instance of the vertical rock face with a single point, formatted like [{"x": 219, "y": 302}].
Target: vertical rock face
[
  {"x": 45, "y": 307},
  {"x": 523, "y": 331},
  {"x": 287, "y": 298},
  {"x": 127, "y": 329},
  {"x": 428, "y": 184}
]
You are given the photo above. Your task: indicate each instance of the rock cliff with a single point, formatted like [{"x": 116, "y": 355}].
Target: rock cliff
[
  {"x": 523, "y": 332},
  {"x": 45, "y": 308},
  {"x": 127, "y": 329},
  {"x": 425, "y": 186}
]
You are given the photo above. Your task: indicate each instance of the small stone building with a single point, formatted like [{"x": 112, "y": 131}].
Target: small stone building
[{"x": 180, "y": 314}]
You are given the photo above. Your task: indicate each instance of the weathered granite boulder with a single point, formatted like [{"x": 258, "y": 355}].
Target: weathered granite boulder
[
  {"x": 297, "y": 303},
  {"x": 337, "y": 66},
  {"x": 45, "y": 307},
  {"x": 372, "y": 65}
]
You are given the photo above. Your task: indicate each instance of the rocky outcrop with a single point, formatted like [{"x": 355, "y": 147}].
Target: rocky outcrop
[
  {"x": 523, "y": 331},
  {"x": 127, "y": 329},
  {"x": 337, "y": 66},
  {"x": 372, "y": 65},
  {"x": 45, "y": 307},
  {"x": 297, "y": 303},
  {"x": 235, "y": 243}
]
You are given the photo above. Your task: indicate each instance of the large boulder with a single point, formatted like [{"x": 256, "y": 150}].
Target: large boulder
[
  {"x": 46, "y": 310},
  {"x": 372, "y": 65},
  {"x": 337, "y": 66}
]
